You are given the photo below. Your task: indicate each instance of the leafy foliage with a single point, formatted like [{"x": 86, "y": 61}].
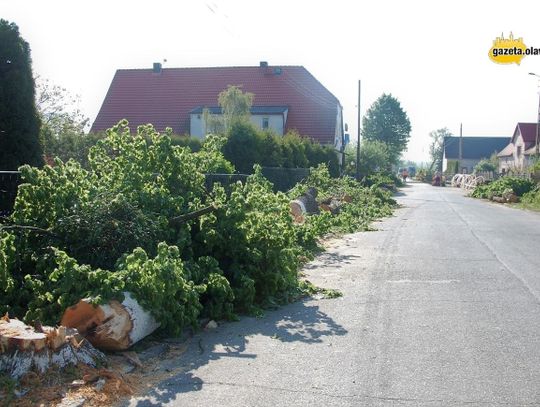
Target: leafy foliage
[
  {"x": 485, "y": 165},
  {"x": 120, "y": 226},
  {"x": 389, "y": 182},
  {"x": 518, "y": 186},
  {"x": 387, "y": 122},
  {"x": 452, "y": 167},
  {"x": 62, "y": 124},
  {"x": 436, "y": 147},
  {"x": 246, "y": 146},
  {"x": 367, "y": 203},
  {"x": 235, "y": 105},
  {"x": 374, "y": 158},
  {"x": 19, "y": 121},
  {"x": 531, "y": 199}
]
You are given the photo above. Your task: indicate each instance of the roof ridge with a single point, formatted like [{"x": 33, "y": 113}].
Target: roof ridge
[{"x": 214, "y": 67}]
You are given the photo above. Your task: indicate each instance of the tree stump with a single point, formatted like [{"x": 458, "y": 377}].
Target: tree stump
[
  {"x": 24, "y": 348},
  {"x": 111, "y": 326}
]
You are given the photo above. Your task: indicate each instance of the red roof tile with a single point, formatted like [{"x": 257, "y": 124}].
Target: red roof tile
[
  {"x": 165, "y": 99},
  {"x": 528, "y": 132}
]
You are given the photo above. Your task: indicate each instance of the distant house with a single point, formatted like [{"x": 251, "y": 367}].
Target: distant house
[
  {"x": 470, "y": 150},
  {"x": 286, "y": 98},
  {"x": 522, "y": 146}
]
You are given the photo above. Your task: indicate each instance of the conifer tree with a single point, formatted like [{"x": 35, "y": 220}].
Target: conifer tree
[{"x": 19, "y": 120}]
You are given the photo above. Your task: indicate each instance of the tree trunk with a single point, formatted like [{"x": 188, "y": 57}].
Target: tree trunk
[
  {"x": 111, "y": 326},
  {"x": 23, "y": 348}
]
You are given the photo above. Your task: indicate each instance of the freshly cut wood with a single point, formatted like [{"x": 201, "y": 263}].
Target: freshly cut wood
[
  {"x": 297, "y": 211},
  {"x": 510, "y": 196},
  {"x": 111, "y": 326},
  {"x": 331, "y": 205},
  {"x": 305, "y": 203},
  {"x": 24, "y": 348}
]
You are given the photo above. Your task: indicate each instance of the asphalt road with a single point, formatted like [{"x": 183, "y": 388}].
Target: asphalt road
[{"x": 440, "y": 308}]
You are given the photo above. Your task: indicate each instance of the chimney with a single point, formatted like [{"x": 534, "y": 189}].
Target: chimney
[
  {"x": 157, "y": 67},
  {"x": 263, "y": 64}
]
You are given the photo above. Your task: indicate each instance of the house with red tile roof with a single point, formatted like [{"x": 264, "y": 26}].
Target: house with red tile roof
[
  {"x": 516, "y": 156},
  {"x": 286, "y": 98}
]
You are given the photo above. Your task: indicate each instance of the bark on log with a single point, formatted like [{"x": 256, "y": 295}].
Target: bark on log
[
  {"x": 23, "y": 349},
  {"x": 111, "y": 326}
]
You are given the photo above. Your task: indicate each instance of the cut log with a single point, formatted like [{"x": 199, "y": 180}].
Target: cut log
[
  {"x": 111, "y": 326},
  {"x": 23, "y": 349},
  {"x": 297, "y": 211},
  {"x": 305, "y": 203},
  {"x": 331, "y": 205},
  {"x": 510, "y": 196}
]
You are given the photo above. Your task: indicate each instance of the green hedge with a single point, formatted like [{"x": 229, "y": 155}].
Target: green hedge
[
  {"x": 246, "y": 145},
  {"x": 519, "y": 186}
]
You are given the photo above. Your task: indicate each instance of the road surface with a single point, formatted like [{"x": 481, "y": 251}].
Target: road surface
[{"x": 440, "y": 307}]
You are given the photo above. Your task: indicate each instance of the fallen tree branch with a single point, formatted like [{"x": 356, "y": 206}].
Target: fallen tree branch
[
  {"x": 193, "y": 215},
  {"x": 29, "y": 229}
]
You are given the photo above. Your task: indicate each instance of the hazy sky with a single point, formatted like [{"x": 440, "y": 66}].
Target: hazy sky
[{"x": 431, "y": 55}]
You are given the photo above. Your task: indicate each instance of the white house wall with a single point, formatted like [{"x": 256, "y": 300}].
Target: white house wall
[
  {"x": 465, "y": 165},
  {"x": 519, "y": 162},
  {"x": 338, "y": 135},
  {"x": 275, "y": 122},
  {"x": 196, "y": 127}
]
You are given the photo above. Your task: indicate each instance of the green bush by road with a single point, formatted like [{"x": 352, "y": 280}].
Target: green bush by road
[{"x": 127, "y": 224}]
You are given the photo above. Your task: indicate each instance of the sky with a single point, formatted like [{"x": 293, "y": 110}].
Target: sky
[{"x": 431, "y": 55}]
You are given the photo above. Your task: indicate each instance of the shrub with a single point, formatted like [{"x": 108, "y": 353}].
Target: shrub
[
  {"x": 120, "y": 226},
  {"x": 246, "y": 146},
  {"x": 531, "y": 199},
  {"x": 485, "y": 166},
  {"x": 518, "y": 186}
]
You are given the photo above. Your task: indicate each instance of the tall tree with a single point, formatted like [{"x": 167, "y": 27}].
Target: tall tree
[
  {"x": 387, "y": 122},
  {"x": 436, "y": 148},
  {"x": 62, "y": 123},
  {"x": 373, "y": 158},
  {"x": 235, "y": 105},
  {"x": 19, "y": 120}
]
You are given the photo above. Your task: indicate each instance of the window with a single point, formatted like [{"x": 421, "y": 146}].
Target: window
[
  {"x": 265, "y": 122},
  {"x": 519, "y": 151}
]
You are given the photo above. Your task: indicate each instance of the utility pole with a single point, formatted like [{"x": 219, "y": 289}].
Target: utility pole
[
  {"x": 358, "y": 140},
  {"x": 538, "y": 127},
  {"x": 537, "y": 147},
  {"x": 460, "y": 156}
]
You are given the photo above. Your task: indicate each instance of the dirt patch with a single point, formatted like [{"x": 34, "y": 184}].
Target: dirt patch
[{"x": 125, "y": 375}]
